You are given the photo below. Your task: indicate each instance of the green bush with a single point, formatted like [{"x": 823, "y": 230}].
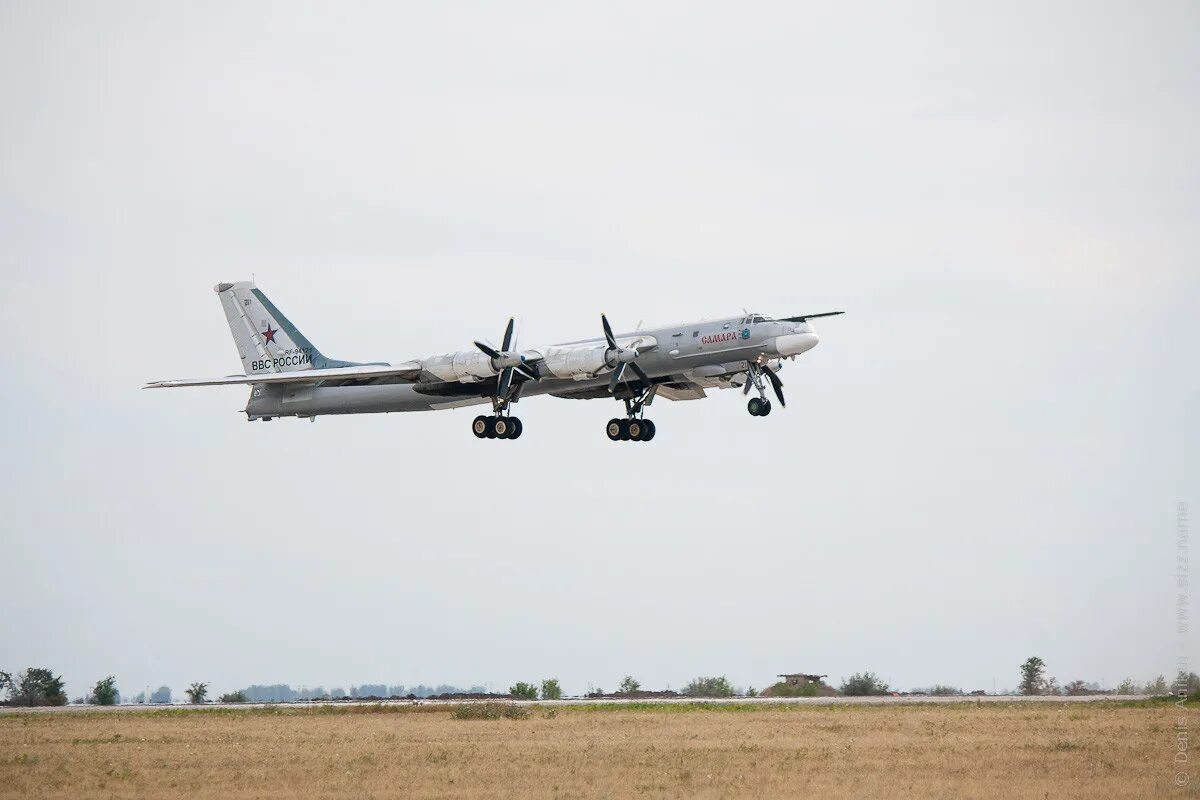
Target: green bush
[
  {"x": 709, "y": 687},
  {"x": 551, "y": 690},
  {"x": 862, "y": 684},
  {"x": 233, "y": 697},
  {"x": 105, "y": 692},
  {"x": 523, "y": 691},
  {"x": 628, "y": 685},
  {"x": 783, "y": 689}
]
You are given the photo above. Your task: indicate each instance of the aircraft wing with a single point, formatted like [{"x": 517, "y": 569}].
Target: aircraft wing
[{"x": 409, "y": 370}]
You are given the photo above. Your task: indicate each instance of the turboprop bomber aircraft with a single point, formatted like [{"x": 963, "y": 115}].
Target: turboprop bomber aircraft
[{"x": 289, "y": 377}]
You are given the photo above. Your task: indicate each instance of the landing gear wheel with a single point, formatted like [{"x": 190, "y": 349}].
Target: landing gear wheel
[
  {"x": 491, "y": 428},
  {"x": 755, "y": 407},
  {"x": 517, "y": 427},
  {"x": 503, "y": 427},
  {"x": 614, "y": 429},
  {"x": 766, "y": 409},
  {"x": 480, "y": 427},
  {"x": 637, "y": 429},
  {"x": 647, "y": 430},
  {"x": 624, "y": 425}
]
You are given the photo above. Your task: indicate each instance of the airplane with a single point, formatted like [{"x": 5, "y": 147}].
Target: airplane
[{"x": 290, "y": 377}]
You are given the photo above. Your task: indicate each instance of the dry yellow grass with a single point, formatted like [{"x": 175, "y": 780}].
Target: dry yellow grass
[{"x": 1085, "y": 751}]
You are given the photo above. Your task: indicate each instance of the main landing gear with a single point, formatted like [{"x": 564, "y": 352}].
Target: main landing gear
[
  {"x": 630, "y": 430},
  {"x": 635, "y": 427},
  {"x": 497, "y": 427},
  {"x": 501, "y": 424}
]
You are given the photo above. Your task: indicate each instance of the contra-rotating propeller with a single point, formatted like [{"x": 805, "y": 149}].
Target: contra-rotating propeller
[
  {"x": 506, "y": 362},
  {"x": 621, "y": 357},
  {"x": 756, "y": 369}
]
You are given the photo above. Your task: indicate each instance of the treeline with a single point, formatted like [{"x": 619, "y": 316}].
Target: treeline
[
  {"x": 39, "y": 686},
  {"x": 1034, "y": 681}
]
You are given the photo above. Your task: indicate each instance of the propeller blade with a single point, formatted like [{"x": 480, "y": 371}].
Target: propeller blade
[
  {"x": 608, "y": 334},
  {"x": 776, "y": 384},
  {"x": 487, "y": 350},
  {"x": 641, "y": 373},
  {"x": 616, "y": 376},
  {"x": 508, "y": 332},
  {"x": 526, "y": 373},
  {"x": 502, "y": 386}
]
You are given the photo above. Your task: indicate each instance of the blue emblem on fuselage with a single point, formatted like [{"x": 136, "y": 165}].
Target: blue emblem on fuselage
[{"x": 745, "y": 333}]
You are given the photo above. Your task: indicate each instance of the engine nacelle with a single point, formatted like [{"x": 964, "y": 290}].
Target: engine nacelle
[
  {"x": 575, "y": 362},
  {"x": 466, "y": 366}
]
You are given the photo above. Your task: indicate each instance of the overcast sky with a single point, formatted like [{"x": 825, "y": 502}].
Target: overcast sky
[{"x": 980, "y": 462}]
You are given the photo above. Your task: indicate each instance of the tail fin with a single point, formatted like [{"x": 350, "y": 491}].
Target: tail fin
[{"x": 267, "y": 341}]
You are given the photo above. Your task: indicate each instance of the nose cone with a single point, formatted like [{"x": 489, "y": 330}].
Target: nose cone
[{"x": 793, "y": 344}]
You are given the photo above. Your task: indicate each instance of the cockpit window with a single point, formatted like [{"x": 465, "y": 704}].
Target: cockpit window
[{"x": 758, "y": 318}]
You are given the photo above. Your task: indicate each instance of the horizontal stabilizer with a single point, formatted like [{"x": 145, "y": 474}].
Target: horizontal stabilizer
[{"x": 409, "y": 370}]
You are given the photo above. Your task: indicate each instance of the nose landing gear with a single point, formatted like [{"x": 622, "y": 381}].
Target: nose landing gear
[{"x": 757, "y": 376}]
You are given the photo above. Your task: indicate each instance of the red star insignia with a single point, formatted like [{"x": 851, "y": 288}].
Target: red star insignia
[{"x": 269, "y": 334}]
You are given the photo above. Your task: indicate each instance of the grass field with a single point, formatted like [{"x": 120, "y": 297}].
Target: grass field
[{"x": 1086, "y": 751}]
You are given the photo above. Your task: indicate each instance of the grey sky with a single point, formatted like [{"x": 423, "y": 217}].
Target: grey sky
[{"x": 980, "y": 461}]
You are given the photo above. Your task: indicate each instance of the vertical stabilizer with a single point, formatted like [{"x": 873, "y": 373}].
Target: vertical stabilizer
[{"x": 266, "y": 340}]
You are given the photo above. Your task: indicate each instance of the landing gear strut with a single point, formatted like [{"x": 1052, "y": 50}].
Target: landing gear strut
[
  {"x": 635, "y": 427},
  {"x": 757, "y": 376}
]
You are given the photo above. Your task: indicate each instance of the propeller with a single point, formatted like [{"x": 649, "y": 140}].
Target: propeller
[
  {"x": 506, "y": 362},
  {"x": 762, "y": 369},
  {"x": 622, "y": 357}
]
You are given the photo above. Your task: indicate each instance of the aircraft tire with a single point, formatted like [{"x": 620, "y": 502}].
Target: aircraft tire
[
  {"x": 755, "y": 407},
  {"x": 766, "y": 408},
  {"x": 613, "y": 429},
  {"x": 624, "y": 426},
  {"x": 491, "y": 428},
  {"x": 637, "y": 429},
  {"x": 503, "y": 427},
  {"x": 648, "y": 430},
  {"x": 517, "y": 427},
  {"x": 479, "y": 427}
]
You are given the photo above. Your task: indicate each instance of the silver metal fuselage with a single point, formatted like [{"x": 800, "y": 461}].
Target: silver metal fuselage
[{"x": 708, "y": 354}]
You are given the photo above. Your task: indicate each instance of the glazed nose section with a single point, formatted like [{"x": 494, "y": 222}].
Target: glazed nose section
[{"x": 793, "y": 344}]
